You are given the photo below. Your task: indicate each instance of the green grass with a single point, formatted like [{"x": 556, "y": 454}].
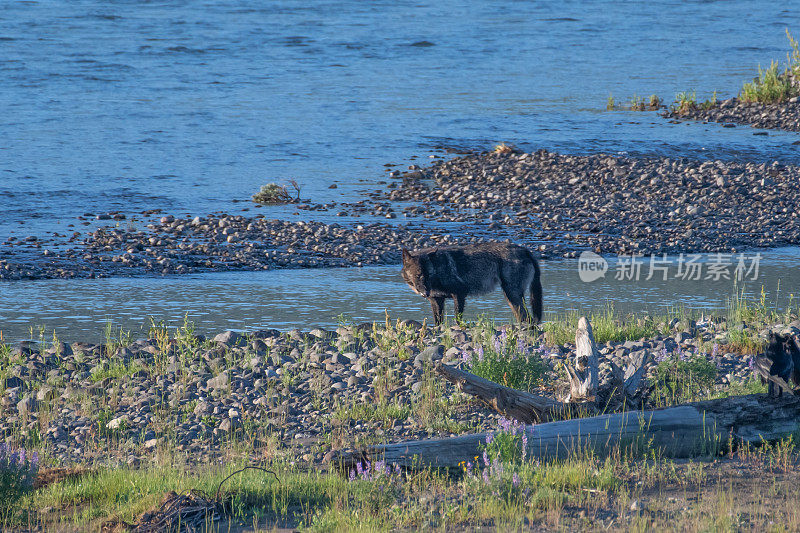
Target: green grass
[
  {"x": 683, "y": 378},
  {"x": 607, "y": 325},
  {"x": 774, "y": 85},
  {"x": 771, "y": 87}
]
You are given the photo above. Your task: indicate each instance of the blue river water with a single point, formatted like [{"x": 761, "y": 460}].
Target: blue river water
[
  {"x": 81, "y": 309},
  {"x": 190, "y": 106}
]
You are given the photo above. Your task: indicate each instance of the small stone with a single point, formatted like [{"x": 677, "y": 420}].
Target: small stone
[{"x": 219, "y": 381}]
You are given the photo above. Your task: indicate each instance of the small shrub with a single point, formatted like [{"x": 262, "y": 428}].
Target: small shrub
[
  {"x": 655, "y": 101},
  {"x": 17, "y": 474},
  {"x": 771, "y": 86},
  {"x": 685, "y": 102},
  {"x": 637, "y": 103},
  {"x": 272, "y": 193},
  {"x": 507, "y": 360}
]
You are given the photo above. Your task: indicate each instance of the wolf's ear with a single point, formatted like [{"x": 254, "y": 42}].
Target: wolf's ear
[{"x": 406, "y": 255}]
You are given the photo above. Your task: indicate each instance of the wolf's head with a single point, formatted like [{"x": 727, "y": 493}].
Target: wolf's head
[{"x": 416, "y": 273}]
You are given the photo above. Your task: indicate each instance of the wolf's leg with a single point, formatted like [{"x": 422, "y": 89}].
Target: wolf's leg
[
  {"x": 458, "y": 300},
  {"x": 437, "y": 304},
  {"x": 517, "y": 305}
]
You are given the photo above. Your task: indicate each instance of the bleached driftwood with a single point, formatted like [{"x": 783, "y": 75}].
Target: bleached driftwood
[{"x": 583, "y": 376}]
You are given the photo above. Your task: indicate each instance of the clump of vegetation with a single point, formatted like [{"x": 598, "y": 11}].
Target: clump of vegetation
[
  {"x": 775, "y": 85},
  {"x": 607, "y": 325},
  {"x": 711, "y": 102},
  {"x": 685, "y": 102},
  {"x": 17, "y": 473},
  {"x": 507, "y": 359},
  {"x": 272, "y": 193},
  {"x": 610, "y": 103},
  {"x": 505, "y": 148},
  {"x": 638, "y": 103},
  {"x": 682, "y": 377}
]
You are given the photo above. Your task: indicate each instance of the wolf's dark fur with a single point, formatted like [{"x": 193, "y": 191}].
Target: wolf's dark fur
[
  {"x": 784, "y": 353},
  {"x": 459, "y": 271}
]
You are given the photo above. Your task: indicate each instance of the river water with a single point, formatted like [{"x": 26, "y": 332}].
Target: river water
[
  {"x": 284, "y": 299},
  {"x": 190, "y": 106}
]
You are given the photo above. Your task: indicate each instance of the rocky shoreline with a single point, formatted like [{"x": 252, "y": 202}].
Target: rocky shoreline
[
  {"x": 299, "y": 393},
  {"x": 784, "y": 116},
  {"x": 556, "y": 204}
]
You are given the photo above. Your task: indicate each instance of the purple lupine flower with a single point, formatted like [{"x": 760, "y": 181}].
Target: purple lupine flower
[
  {"x": 497, "y": 467},
  {"x": 515, "y": 480},
  {"x": 498, "y": 347},
  {"x": 359, "y": 468},
  {"x": 714, "y": 350},
  {"x": 520, "y": 345},
  {"x": 504, "y": 337},
  {"x": 751, "y": 362},
  {"x": 480, "y": 352},
  {"x": 485, "y": 458},
  {"x": 489, "y": 438},
  {"x": 397, "y": 468},
  {"x": 466, "y": 357},
  {"x": 486, "y": 475},
  {"x": 524, "y": 444},
  {"x": 469, "y": 468},
  {"x": 352, "y": 474}
]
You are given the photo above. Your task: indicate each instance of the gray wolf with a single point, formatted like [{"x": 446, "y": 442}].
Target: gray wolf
[{"x": 460, "y": 271}]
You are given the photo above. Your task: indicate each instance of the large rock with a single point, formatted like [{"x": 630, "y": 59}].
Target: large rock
[
  {"x": 429, "y": 355},
  {"x": 228, "y": 338}
]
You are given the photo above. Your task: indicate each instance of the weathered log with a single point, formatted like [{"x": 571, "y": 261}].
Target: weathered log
[
  {"x": 523, "y": 406},
  {"x": 688, "y": 430},
  {"x": 583, "y": 378}
]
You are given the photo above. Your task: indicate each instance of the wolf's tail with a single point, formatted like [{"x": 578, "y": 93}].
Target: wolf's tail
[{"x": 536, "y": 291}]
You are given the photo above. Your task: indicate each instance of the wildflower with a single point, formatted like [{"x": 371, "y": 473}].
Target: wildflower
[
  {"x": 469, "y": 468},
  {"x": 524, "y": 444},
  {"x": 515, "y": 480},
  {"x": 397, "y": 468},
  {"x": 489, "y": 438},
  {"x": 352, "y": 474},
  {"x": 714, "y": 350},
  {"x": 486, "y": 475},
  {"x": 503, "y": 338},
  {"x": 485, "y": 458},
  {"x": 480, "y": 352},
  {"x": 498, "y": 347},
  {"x": 751, "y": 362},
  {"x": 466, "y": 357},
  {"x": 520, "y": 345}
]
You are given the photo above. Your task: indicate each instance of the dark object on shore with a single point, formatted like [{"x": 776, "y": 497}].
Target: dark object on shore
[
  {"x": 458, "y": 271},
  {"x": 780, "y": 364}
]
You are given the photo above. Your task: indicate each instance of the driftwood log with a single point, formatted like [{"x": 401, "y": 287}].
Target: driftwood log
[
  {"x": 688, "y": 430},
  {"x": 622, "y": 391}
]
